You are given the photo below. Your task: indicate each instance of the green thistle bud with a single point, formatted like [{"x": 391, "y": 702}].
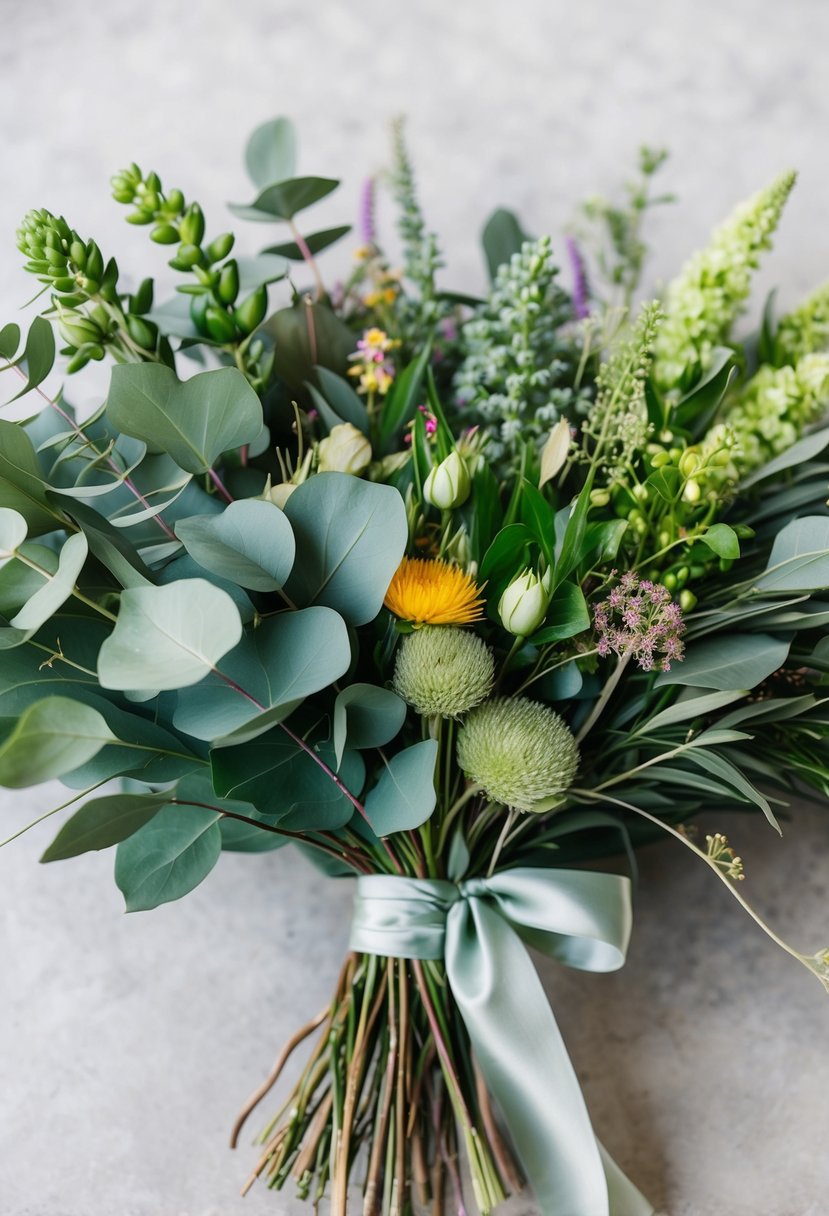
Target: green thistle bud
[
  {"x": 443, "y": 671},
  {"x": 520, "y": 752}
]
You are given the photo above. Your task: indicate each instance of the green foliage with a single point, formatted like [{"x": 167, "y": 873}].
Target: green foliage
[
  {"x": 168, "y": 856},
  {"x": 103, "y": 822},
  {"x": 49, "y": 739},
  {"x": 193, "y": 421},
  {"x": 404, "y": 797},
  {"x": 352, "y": 536},
  {"x": 168, "y": 637},
  {"x": 251, "y": 543}
]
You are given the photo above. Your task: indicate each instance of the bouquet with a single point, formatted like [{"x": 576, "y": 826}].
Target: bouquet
[{"x": 455, "y": 595}]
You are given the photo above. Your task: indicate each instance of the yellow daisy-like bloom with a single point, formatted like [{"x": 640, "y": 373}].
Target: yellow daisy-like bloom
[{"x": 432, "y": 592}]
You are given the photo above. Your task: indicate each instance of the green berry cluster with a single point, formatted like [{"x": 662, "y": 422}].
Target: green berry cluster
[
  {"x": 216, "y": 310},
  {"x": 93, "y": 317}
]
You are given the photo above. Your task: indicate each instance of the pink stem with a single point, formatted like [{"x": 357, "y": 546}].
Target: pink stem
[{"x": 219, "y": 484}]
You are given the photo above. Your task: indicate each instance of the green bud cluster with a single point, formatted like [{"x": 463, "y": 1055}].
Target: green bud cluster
[
  {"x": 92, "y": 315},
  {"x": 776, "y": 406},
  {"x": 805, "y": 330},
  {"x": 215, "y": 308},
  {"x": 709, "y": 293}
]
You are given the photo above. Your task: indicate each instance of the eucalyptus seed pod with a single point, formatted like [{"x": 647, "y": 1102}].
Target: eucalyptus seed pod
[
  {"x": 187, "y": 257},
  {"x": 251, "y": 312},
  {"x": 220, "y": 325},
  {"x": 227, "y": 288}
]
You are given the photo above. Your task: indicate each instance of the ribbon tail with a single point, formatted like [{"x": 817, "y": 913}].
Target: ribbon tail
[{"x": 525, "y": 1063}]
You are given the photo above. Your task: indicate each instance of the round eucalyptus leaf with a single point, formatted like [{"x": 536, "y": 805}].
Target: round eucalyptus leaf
[
  {"x": 352, "y": 535},
  {"x": 56, "y": 589},
  {"x": 167, "y": 857},
  {"x": 251, "y": 543},
  {"x": 168, "y": 637},
  {"x": 13, "y": 531},
  {"x": 404, "y": 797}
]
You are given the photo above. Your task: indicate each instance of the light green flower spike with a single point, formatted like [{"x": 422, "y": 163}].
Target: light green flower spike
[
  {"x": 776, "y": 406},
  {"x": 805, "y": 330},
  {"x": 704, "y": 301}
]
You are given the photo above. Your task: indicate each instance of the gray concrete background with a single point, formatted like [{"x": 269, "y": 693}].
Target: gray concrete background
[{"x": 127, "y": 1043}]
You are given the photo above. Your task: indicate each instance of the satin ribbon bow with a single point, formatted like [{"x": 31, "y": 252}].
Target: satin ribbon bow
[{"x": 477, "y": 926}]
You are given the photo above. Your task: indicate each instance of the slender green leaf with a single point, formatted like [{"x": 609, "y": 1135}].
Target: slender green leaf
[
  {"x": 284, "y": 199},
  {"x": 799, "y": 558},
  {"x": 728, "y": 662},
  {"x": 21, "y": 481},
  {"x": 316, "y": 242},
  {"x": 103, "y": 822}
]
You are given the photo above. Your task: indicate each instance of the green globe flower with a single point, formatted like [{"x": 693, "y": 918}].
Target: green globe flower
[
  {"x": 520, "y": 752},
  {"x": 443, "y": 671}
]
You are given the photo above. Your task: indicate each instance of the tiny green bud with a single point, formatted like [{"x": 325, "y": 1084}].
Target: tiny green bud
[
  {"x": 192, "y": 225},
  {"x": 599, "y": 498},
  {"x": 641, "y": 493},
  {"x": 221, "y": 247},
  {"x": 251, "y": 312},
  {"x": 726, "y": 563},
  {"x": 692, "y": 492},
  {"x": 669, "y": 580},
  {"x": 175, "y": 203},
  {"x": 448, "y": 484},
  {"x": 524, "y": 604},
  {"x": 141, "y": 332},
  {"x": 220, "y": 326},
  {"x": 165, "y": 234},
  {"x": 689, "y": 463},
  {"x": 682, "y": 576},
  {"x": 660, "y": 459},
  {"x": 77, "y": 252},
  {"x": 77, "y": 330},
  {"x": 227, "y": 288},
  {"x": 687, "y": 600},
  {"x": 187, "y": 257}
]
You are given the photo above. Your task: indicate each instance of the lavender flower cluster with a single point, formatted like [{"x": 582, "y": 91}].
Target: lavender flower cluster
[{"x": 640, "y": 620}]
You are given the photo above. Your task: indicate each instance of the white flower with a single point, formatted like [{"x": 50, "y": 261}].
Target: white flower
[
  {"x": 448, "y": 483},
  {"x": 344, "y": 450},
  {"x": 524, "y": 604}
]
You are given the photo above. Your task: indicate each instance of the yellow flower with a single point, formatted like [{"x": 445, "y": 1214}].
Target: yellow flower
[{"x": 431, "y": 592}]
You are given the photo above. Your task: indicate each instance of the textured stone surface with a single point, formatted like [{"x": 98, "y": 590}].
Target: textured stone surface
[{"x": 127, "y": 1043}]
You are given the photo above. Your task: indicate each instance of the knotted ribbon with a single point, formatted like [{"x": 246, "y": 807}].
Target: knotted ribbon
[{"x": 477, "y": 926}]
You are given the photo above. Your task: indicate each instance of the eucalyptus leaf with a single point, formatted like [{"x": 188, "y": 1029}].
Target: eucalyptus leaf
[
  {"x": 728, "y": 662},
  {"x": 22, "y": 486},
  {"x": 103, "y": 822},
  {"x": 9, "y": 341},
  {"x": 352, "y": 535},
  {"x": 57, "y": 588},
  {"x": 251, "y": 543},
  {"x": 193, "y": 421},
  {"x": 168, "y": 637},
  {"x": 569, "y": 613},
  {"x": 404, "y": 797},
  {"x": 271, "y": 151},
  {"x": 723, "y": 541},
  {"x": 502, "y": 237},
  {"x": 283, "y": 200},
  {"x": 366, "y": 716},
  {"x": 799, "y": 558},
  {"x": 107, "y": 544},
  {"x": 50, "y": 738},
  {"x": 38, "y": 356},
  {"x": 799, "y": 453},
  {"x": 342, "y": 398},
  {"x": 315, "y": 241},
  {"x": 691, "y": 706},
  {"x": 13, "y": 532},
  {"x": 286, "y": 659},
  {"x": 167, "y": 857}
]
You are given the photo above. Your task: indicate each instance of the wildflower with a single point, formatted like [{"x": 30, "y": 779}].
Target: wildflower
[
  {"x": 520, "y": 356},
  {"x": 520, "y": 752},
  {"x": 443, "y": 671},
  {"x": 344, "y": 450},
  {"x": 581, "y": 292},
  {"x": 448, "y": 483},
  {"x": 371, "y": 362},
  {"x": 428, "y": 591},
  {"x": 706, "y": 298},
  {"x": 524, "y": 604},
  {"x": 368, "y": 231},
  {"x": 640, "y": 620}
]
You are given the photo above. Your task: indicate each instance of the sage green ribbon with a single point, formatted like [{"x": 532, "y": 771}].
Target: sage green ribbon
[{"x": 477, "y": 926}]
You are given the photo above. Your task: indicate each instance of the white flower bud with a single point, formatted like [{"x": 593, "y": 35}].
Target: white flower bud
[
  {"x": 448, "y": 483},
  {"x": 555, "y": 451},
  {"x": 345, "y": 450},
  {"x": 524, "y": 604}
]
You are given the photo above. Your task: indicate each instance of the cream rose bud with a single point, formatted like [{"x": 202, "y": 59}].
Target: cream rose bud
[
  {"x": 448, "y": 484},
  {"x": 524, "y": 604},
  {"x": 344, "y": 450}
]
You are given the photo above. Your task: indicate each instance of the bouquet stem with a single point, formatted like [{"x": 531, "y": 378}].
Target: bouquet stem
[{"x": 389, "y": 1085}]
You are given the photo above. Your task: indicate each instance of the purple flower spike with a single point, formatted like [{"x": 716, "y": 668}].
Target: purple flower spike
[
  {"x": 581, "y": 291},
  {"x": 368, "y": 233}
]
